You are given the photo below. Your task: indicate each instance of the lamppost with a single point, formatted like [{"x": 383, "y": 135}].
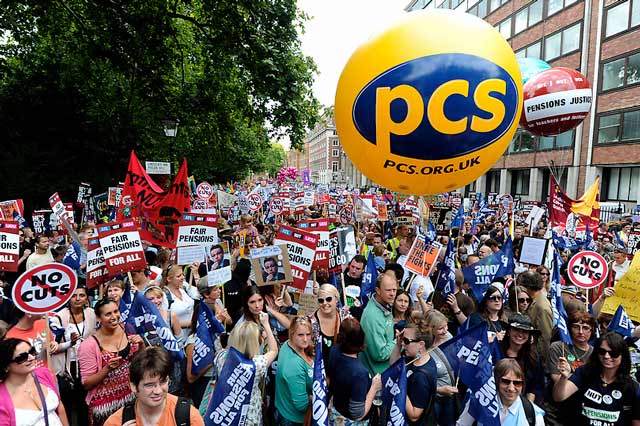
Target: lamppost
[{"x": 170, "y": 126}]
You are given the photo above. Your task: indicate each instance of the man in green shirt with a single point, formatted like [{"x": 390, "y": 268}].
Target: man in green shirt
[{"x": 377, "y": 323}]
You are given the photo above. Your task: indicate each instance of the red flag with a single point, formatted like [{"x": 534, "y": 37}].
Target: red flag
[
  {"x": 586, "y": 209},
  {"x": 157, "y": 211}
]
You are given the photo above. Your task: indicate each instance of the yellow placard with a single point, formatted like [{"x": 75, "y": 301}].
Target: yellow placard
[{"x": 627, "y": 293}]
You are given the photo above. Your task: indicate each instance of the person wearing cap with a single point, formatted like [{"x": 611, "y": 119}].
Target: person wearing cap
[
  {"x": 519, "y": 344},
  {"x": 539, "y": 310}
]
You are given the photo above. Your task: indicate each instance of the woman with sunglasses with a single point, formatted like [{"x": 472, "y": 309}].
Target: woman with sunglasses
[
  {"x": 546, "y": 279},
  {"x": 416, "y": 341},
  {"x": 490, "y": 310},
  {"x": 104, "y": 363},
  {"x": 295, "y": 374},
  {"x": 28, "y": 395},
  {"x": 515, "y": 409},
  {"x": 326, "y": 320},
  {"x": 78, "y": 322},
  {"x": 606, "y": 391},
  {"x": 519, "y": 301},
  {"x": 581, "y": 327},
  {"x": 519, "y": 344}
]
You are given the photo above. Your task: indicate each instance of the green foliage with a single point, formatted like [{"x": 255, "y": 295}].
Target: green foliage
[{"x": 83, "y": 82}]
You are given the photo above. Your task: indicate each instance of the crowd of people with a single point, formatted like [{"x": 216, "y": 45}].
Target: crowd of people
[{"x": 97, "y": 371}]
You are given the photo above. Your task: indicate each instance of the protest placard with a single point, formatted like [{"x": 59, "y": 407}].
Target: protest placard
[
  {"x": 382, "y": 211},
  {"x": 44, "y": 288},
  {"x": 9, "y": 245},
  {"x": 10, "y": 208},
  {"x": 97, "y": 272},
  {"x": 627, "y": 293},
  {"x": 197, "y": 229},
  {"x": 587, "y": 269},
  {"x": 421, "y": 259},
  {"x": 186, "y": 255},
  {"x": 301, "y": 246},
  {"x": 307, "y": 304},
  {"x": 271, "y": 265},
  {"x": 342, "y": 248},
  {"x": 320, "y": 227},
  {"x": 121, "y": 247},
  {"x": 533, "y": 250},
  {"x": 633, "y": 244}
]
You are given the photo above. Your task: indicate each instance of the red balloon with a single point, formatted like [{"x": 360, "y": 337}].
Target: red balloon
[{"x": 555, "y": 101}]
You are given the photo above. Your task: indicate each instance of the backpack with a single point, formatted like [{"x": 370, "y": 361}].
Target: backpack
[{"x": 182, "y": 413}]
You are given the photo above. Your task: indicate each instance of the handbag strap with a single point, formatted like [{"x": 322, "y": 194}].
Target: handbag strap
[
  {"x": 42, "y": 399},
  {"x": 441, "y": 357}
]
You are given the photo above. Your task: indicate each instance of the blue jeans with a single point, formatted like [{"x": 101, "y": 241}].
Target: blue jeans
[{"x": 281, "y": 421}]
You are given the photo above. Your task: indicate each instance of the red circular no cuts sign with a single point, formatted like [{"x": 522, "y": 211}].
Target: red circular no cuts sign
[
  {"x": 587, "y": 269},
  {"x": 44, "y": 288}
]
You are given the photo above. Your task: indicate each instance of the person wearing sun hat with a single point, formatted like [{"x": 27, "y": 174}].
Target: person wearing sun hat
[{"x": 519, "y": 344}]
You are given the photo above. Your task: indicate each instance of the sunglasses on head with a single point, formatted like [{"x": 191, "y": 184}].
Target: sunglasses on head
[
  {"x": 524, "y": 300},
  {"x": 24, "y": 356},
  {"x": 507, "y": 382},
  {"x": 327, "y": 299},
  {"x": 612, "y": 353}
]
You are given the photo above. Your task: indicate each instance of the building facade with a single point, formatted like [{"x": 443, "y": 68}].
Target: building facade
[{"x": 599, "y": 38}]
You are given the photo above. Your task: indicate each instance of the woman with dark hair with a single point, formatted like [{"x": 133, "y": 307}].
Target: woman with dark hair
[
  {"x": 78, "y": 322},
  {"x": 490, "y": 310},
  {"x": 519, "y": 301},
  {"x": 253, "y": 304},
  {"x": 233, "y": 290},
  {"x": 604, "y": 385},
  {"x": 515, "y": 409},
  {"x": 546, "y": 279},
  {"x": 28, "y": 395},
  {"x": 349, "y": 384},
  {"x": 402, "y": 309},
  {"x": 519, "y": 344},
  {"x": 104, "y": 363}
]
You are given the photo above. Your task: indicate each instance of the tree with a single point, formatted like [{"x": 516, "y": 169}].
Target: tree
[
  {"x": 84, "y": 82},
  {"x": 274, "y": 159}
]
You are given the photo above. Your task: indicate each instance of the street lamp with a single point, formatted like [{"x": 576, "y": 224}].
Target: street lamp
[{"x": 170, "y": 126}]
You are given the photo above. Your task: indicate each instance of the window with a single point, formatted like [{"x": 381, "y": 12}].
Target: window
[
  {"x": 335, "y": 152},
  {"x": 336, "y": 142},
  {"x": 334, "y": 166},
  {"x": 621, "y": 183},
  {"x": 505, "y": 28},
  {"x": 493, "y": 181},
  {"x": 619, "y": 127},
  {"x": 480, "y": 9},
  {"x": 523, "y": 141},
  {"x": 563, "y": 140},
  {"x": 622, "y": 16},
  {"x": 495, "y": 4},
  {"x": 531, "y": 51},
  {"x": 621, "y": 72},
  {"x": 563, "y": 42},
  {"x": 529, "y": 16},
  {"x": 520, "y": 182},
  {"x": 555, "y": 6}
]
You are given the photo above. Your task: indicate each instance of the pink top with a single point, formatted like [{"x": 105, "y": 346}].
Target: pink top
[
  {"x": 90, "y": 362},
  {"x": 7, "y": 410}
]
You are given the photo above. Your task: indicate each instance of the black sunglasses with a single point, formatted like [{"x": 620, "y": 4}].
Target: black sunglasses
[
  {"x": 408, "y": 341},
  {"x": 495, "y": 298},
  {"x": 612, "y": 353},
  {"x": 24, "y": 356},
  {"x": 507, "y": 382},
  {"x": 327, "y": 299},
  {"x": 524, "y": 300}
]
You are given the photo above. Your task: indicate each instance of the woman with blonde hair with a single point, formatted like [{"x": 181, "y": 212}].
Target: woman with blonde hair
[
  {"x": 294, "y": 378},
  {"x": 326, "y": 320},
  {"x": 247, "y": 338},
  {"x": 179, "y": 300}
]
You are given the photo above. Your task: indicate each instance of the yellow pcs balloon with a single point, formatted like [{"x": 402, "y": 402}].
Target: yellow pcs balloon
[{"x": 430, "y": 104}]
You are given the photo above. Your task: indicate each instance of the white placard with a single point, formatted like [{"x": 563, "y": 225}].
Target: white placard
[
  {"x": 157, "y": 167},
  {"x": 533, "y": 250},
  {"x": 190, "y": 254}
]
